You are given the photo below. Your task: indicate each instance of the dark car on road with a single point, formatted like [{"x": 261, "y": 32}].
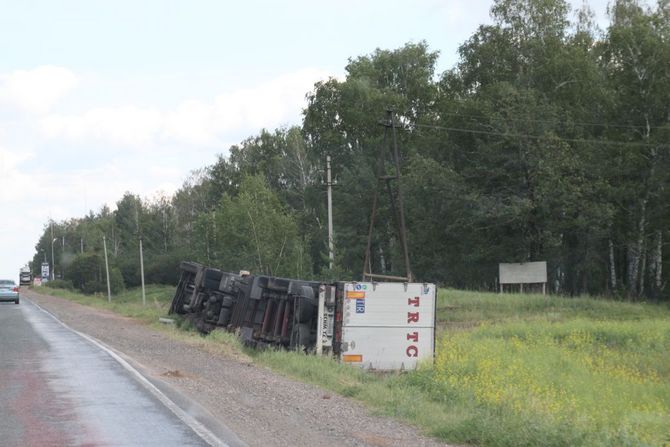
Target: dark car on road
[{"x": 9, "y": 291}]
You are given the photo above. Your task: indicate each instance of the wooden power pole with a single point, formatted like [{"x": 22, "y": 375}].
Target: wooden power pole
[{"x": 397, "y": 206}]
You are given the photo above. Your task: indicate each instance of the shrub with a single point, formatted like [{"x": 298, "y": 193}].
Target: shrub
[
  {"x": 162, "y": 269},
  {"x": 61, "y": 284},
  {"x": 87, "y": 273}
]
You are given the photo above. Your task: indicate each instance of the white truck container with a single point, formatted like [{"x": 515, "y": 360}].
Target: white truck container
[{"x": 383, "y": 326}]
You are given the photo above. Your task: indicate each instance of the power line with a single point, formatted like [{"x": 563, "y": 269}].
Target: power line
[
  {"x": 577, "y": 123},
  {"x": 541, "y": 137}
]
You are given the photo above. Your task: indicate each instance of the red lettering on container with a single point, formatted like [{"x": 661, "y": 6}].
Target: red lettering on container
[
  {"x": 413, "y": 336},
  {"x": 412, "y": 351},
  {"x": 412, "y": 317},
  {"x": 413, "y": 301}
]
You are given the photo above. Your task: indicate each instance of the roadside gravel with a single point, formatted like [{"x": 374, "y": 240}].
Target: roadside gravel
[{"x": 261, "y": 407}]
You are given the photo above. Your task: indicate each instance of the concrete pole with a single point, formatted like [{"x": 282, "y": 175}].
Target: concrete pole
[
  {"x": 144, "y": 296},
  {"x": 331, "y": 253},
  {"x": 53, "y": 265},
  {"x": 62, "y": 256},
  {"x": 109, "y": 290}
]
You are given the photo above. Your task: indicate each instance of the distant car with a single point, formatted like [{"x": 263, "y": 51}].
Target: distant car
[{"x": 9, "y": 291}]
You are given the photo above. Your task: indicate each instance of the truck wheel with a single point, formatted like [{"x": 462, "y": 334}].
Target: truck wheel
[
  {"x": 302, "y": 337},
  {"x": 16, "y": 301},
  {"x": 304, "y": 311},
  {"x": 224, "y": 317}
]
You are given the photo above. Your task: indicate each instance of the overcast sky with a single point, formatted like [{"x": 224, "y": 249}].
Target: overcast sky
[{"x": 102, "y": 97}]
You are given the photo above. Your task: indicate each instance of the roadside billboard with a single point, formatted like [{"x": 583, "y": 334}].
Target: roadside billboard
[{"x": 45, "y": 271}]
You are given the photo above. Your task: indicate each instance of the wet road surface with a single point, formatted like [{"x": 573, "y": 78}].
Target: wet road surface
[{"x": 59, "y": 388}]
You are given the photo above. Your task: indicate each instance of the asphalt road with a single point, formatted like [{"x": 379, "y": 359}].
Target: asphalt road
[{"x": 61, "y": 388}]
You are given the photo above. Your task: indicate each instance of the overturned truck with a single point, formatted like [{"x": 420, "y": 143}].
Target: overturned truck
[{"x": 371, "y": 324}]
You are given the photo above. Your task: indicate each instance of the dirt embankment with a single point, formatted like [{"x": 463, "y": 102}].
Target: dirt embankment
[{"x": 261, "y": 407}]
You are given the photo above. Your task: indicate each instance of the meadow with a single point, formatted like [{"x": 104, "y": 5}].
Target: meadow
[
  {"x": 555, "y": 371},
  {"x": 509, "y": 370}
]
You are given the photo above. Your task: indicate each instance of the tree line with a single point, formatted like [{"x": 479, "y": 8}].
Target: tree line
[{"x": 549, "y": 140}]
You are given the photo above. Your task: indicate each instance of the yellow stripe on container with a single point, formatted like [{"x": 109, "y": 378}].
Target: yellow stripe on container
[
  {"x": 352, "y": 358},
  {"x": 355, "y": 295}
]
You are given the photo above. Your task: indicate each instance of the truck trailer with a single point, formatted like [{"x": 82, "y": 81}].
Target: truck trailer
[
  {"x": 373, "y": 325},
  {"x": 25, "y": 276}
]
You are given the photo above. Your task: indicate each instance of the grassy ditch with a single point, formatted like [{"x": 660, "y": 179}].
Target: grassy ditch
[
  {"x": 509, "y": 370},
  {"x": 128, "y": 303}
]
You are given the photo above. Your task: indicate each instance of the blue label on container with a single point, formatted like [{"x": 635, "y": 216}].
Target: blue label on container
[{"x": 360, "y": 306}]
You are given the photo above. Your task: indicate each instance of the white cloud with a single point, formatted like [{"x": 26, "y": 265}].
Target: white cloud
[
  {"x": 80, "y": 161},
  {"x": 36, "y": 90},
  {"x": 31, "y": 196},
  {"x": 127, "y": 125},
  {"x": 193, "y": 122},
  {"x": 269, "y": 104},
  {"x": 15, "y": 182}
]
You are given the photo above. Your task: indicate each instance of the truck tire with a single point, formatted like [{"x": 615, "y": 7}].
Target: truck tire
[
  {"x": 302, "y": 336},
  {"x": 304, "y": 311},
  {"x": 224, "y": 317}
]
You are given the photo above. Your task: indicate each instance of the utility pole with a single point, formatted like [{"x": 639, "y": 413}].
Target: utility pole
[
  {"x": 397, "y": 209},
  {"x": 81, "y": 244},
  {"x": 53, "y": 265},
  {"x": 109, "y": 290},
  {"x": 62, "y": 256},
  {"x": 329, "y": 183},
  {"x": 144, "y": 296}
]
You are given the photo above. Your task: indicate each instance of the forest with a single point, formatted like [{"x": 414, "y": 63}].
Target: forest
[{"x": 548, "y": 141}]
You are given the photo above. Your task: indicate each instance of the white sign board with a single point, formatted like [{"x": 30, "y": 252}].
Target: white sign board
[
  {"x": 45, "y": 271},
  {"x": 523, "y": 273}
]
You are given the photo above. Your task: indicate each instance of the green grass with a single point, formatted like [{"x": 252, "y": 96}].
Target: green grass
[
  {"x": 510, "y": 370},
  {"x": 458, "y": 308},
  {"x": 128, "y": 303},
  {"x": 530, "y": 370}
]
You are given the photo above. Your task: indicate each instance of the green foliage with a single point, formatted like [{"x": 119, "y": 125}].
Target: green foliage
[
  {"x": 87, "y": 273},
  {"x": 86, "y": 269},
  {"x": 61, "y": 284},
  {"x": 116, "y": 283},
  {"x": 163, "y": 268},
  {"x": 256, "y": 233}
]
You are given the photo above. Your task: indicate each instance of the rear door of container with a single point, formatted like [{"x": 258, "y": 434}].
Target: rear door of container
[{"x": 388, "y": 326}]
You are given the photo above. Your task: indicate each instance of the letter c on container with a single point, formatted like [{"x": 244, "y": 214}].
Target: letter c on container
[{"x": 412, "y": 351}]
